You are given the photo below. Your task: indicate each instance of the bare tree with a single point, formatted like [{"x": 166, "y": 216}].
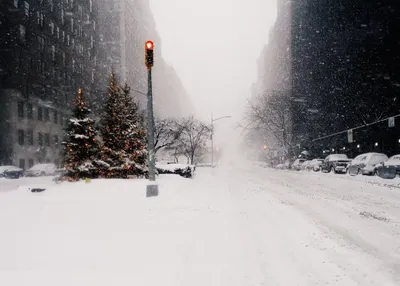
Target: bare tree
[
  {"x": 269, "y": 114},
  {"x": 193, "y": 139},
  {"x": 167, "y": 133}
]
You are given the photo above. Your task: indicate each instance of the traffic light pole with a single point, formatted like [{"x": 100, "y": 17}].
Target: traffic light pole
[{"x": 152, "y": 188}]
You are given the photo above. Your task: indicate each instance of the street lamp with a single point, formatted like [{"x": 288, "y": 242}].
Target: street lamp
[{"x": 212, "y": 135}]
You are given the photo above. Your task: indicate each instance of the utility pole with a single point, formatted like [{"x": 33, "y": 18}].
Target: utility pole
[
  {"x": 152, "y": 187},
  {"x": 212, "y": 135}
]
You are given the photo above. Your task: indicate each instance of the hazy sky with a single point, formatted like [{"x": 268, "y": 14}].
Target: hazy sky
[{"x": 214, "y": 45}]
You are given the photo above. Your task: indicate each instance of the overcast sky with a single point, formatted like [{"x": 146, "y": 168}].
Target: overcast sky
[{"x": 214, "y": 45}]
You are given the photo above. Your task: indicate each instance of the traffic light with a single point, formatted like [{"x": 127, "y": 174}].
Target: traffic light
[
  {"x": 265, "y": 147},
  {"x": 149, "y": 54}
]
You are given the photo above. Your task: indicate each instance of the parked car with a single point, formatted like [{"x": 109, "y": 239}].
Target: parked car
[
  {"x": 366, "y": 163},
  {"x": 336, "y": 163},
  {"x": 315, "y": 165},
  {"x": 389, "y": 168},
  {"x": 11, "y": 172},
  {"x": 297, "y": 164},
  {"x": 41, "y": 170},
  {"x": 305, "y": 165}
]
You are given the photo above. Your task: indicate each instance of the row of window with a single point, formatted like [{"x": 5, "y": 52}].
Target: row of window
[
  {"x": 31, "y": 162},
  {"x": 25, "y": 110},
  {"x": 26, "y": 137}
]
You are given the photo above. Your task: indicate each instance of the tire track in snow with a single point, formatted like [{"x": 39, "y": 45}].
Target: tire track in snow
[{"x": 295, "y": 246}]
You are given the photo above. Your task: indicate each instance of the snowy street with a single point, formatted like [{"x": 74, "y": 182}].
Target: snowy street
[{"x": 227, "y": 226}]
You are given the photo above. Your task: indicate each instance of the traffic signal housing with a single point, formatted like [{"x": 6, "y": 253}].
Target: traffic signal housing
[{"x": 149, "y": 54}]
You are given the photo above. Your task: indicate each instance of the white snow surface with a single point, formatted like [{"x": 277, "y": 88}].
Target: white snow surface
[{"x": 233, "y": 226}]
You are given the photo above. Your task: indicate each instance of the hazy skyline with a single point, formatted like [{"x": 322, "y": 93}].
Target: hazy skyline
[{"x": 214, "y": 46}]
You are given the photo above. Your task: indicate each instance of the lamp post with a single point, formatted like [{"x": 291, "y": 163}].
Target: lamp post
[{"x": 212, "y": 135}]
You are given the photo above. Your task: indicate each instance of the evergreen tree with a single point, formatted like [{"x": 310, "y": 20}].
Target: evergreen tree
[
  {"x": 124, "y": 140},
  {"x": 81, "y": 145}
]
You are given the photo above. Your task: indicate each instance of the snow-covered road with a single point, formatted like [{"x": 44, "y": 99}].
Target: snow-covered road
[{"x": 229, "y": 226}]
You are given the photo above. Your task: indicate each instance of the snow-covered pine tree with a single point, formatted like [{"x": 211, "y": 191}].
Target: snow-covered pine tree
[
  {"x": 124, "y": 139},
  {"x": 136, "y": 136},
  {"x": 81, "y": 145}
]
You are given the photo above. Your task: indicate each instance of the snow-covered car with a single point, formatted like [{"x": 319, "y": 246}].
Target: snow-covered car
[
  {"x": 41, "y": 170},
  {"x": 389, "y": 168},
  {"x": 366, "y": 163},
  {"x": 297, "y": 164},
  {"x": 280, "y": 166},
  {"x": 11, "y": 171},
  {"x": 336, "y": 163},
  {"x": 304, "y": 165},
  {"x": 315, "y": 165}
]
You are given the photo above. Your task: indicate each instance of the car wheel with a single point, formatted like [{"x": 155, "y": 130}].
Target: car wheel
[
  {"x": 376, "y": 172},
  {"x": 42, "y": 174},
  {"x": 358, "y": 171}
]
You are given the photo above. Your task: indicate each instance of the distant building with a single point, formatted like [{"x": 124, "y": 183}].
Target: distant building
[
  {"x": 48, "y": 49},
  {"x": 342, "y": 63},
  {"x": 125, "y": 26}
]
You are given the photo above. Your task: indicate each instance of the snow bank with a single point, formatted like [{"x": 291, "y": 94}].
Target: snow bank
[{"x": 183, "y": 170}]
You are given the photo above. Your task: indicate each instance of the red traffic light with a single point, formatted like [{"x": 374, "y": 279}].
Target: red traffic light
[
  {"x": 265, "y": 147},
  {"x": 149, "y": 45}
]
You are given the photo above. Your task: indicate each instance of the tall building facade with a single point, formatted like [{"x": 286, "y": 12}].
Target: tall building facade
[
  {"x": 125, "y": 26},
  {"x": 343, "y": 70},
  {"x": 48, "y": 49}
]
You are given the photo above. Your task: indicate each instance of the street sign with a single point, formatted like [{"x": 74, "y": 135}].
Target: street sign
[
  {"x": 350, "y": 136},
  {"x": 391, "y": 122}
]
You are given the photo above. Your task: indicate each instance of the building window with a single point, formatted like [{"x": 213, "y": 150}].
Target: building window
[
  {"x": 30, "y": 163},
  {"x": 90, "y": 6},
  {"x": 53, "y": 52},
  {"x": 20, "y": 109},
  {"x": 63, "y": 36},
  {"x": 41, "y": 43},
  {"x": 46, "y": 114},
  {"x": 30, "y": 111},
  {"x": 62, "y": 16},
  {"x": 51, "y": 5},
  {"x": 40, "y": 113},
  {"x": 68, "y": 40},
  {"x": 72, "y": 25},
  {"x": 47, "y": 139},
  {"x": 64, "y": 59},
  {"x": 93, "y": 77},
  {"x": 58, "y": 32},
  {"x": 29, "y": 136},
  {"x": 16, "y": 3},
  {"x": 55, "y": 140},
  {"x": 40, "y": 139},
  {"x": 26, "y": 8},
  {"x": 42, "y": 67},
  {"x": 21, "y": 137},
  {"x": 22, "y": 163},
  {"x": 41, "y": 19},
  {"x": 55, "y": 117},
  {"x": 51, "y": 28},
  {"x": 22, "y": 32},
  {"x": 73, "y": 65}
]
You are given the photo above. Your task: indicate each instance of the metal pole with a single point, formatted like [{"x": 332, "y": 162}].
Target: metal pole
[
  {"x": 152, "y": 188},
  {"x": 212, "y": 141}
]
